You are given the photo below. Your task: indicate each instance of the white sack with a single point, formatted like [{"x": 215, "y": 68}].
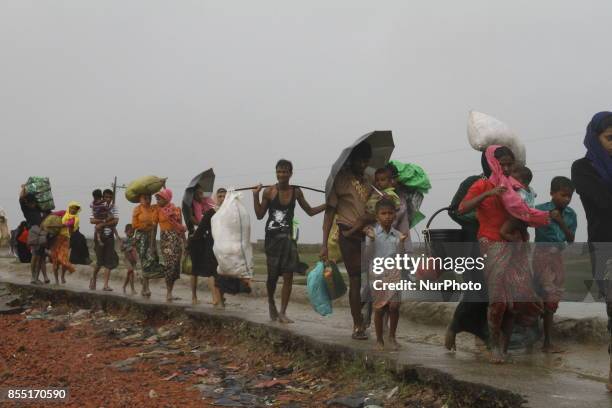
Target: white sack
[
  {"x": 484, "y": 130},
  {"x": 231, "y": 230}
]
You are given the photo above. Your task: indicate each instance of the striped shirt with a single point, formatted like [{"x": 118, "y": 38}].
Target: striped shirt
[{"x": 112, "y": 212}]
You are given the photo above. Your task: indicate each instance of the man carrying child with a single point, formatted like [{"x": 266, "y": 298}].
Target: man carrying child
[{"x": 104, "y": 236}]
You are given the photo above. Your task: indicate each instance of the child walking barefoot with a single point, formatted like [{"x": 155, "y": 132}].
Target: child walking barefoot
[
  {"x": 548, "y": 267},
  {"x": 128, "y": 247},
  {"x": 383, "y": 241}
]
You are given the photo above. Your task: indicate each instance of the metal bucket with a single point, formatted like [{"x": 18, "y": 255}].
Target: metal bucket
[
  {"x": 436, "y": 238},
  {"x": 443, "y": 243}
]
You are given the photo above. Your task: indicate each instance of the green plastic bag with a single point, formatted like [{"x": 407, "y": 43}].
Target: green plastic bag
[
  {"x": 333, "y": 280},
  {"x": 317, "y": 290},
  {"x": 412, "y": 176},
  {"x": 186, "y": 266}
]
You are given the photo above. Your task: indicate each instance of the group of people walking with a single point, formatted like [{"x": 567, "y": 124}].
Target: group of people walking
[{"x": 494, "y": 208}]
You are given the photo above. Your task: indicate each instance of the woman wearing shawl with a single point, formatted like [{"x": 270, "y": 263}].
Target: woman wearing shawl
[
  {"x": 592, "y": 176},
  {"x": 144, "y": 222},
  {"x": 511, "y": 295},
  {"x": 203, "y": 259},
  {"x": 172, "y": 238},
  {"x": 60, "y": 250}
]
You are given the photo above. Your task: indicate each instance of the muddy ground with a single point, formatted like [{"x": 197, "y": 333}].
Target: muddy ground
[{"x": 115, "y": 359}]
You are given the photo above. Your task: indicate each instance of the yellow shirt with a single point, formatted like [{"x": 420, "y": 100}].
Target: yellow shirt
[
  {"x": 164, "y": 222},
  {"x": 144, "y": 218}
]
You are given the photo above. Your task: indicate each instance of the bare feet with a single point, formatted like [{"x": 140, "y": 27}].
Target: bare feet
[
  {"x": 449, "y": 340},
  {"x": 284, "y": 319},
  {"x": 380, "y": 345},
  {"x": 393, "y": 344},
  {"x": 273, "y": 312},
  {"x": 496, "y": 356},
  {"x": 107, "y": 289},
  {"x": 92, "y": 284},
  {"x": 133, "y": 292},
  {"x": 195, "y": 301},
  {"x": 552, "y": 349},
  {"x": 124, "y": 290},
  {"x": 146, "y": 294},
  {"x": 63, "y": 281}
]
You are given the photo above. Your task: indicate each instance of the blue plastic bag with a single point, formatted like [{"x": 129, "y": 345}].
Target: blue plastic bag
[{"x": 317, "y": 290}]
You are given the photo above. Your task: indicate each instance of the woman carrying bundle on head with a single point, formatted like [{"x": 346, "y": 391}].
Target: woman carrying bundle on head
[{"x": 511, "y": 293}]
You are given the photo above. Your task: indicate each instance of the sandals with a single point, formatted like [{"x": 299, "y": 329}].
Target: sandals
[{"x": 359, "y": 334}]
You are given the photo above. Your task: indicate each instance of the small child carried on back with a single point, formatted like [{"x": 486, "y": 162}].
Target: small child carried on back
[
  {"x": 514, "y": 229},
  {"x": 383, "y": 181}
]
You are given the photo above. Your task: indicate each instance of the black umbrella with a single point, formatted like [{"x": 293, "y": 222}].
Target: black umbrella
[
  {"x": 382, "y": 145},
  {"x": 205, "y": 181}
]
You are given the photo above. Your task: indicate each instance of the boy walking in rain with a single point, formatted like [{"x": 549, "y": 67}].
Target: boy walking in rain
[
  {"x": 281, "y": 250},
  {"x": 548, "y": 267}
]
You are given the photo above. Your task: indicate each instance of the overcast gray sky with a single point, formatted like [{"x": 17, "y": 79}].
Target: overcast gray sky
[{"x": 93, "y": 89}]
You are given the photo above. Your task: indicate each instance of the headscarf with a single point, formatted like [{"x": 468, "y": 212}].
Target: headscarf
[
  {"x": 510, "y": 198},
  {"x": 208, "y": 203},
  {"x": 170, "y": 210},
  {"x": 486, "y": 169},
  {"x": 71, "y": 221},
  {"x": 595, "y": 152}
]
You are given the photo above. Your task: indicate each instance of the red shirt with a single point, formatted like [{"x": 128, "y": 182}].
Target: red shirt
[
  {"x": 490, "y": 212},
  {"x": 23, "y": 237}
]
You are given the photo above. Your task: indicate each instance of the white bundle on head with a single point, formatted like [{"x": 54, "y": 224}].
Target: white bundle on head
[{"x": 484, "y": 130}]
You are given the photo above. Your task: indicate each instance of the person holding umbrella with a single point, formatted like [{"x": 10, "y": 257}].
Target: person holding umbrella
[
  {"x": 281, "y": 249},
  {"x": 196, "y": 204},
  {"x": 203, "y": 258},
  {"x": 347, "y": 198}
]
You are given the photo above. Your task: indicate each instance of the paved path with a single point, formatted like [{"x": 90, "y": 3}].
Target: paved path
[{"x": 574, "y": 379}]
